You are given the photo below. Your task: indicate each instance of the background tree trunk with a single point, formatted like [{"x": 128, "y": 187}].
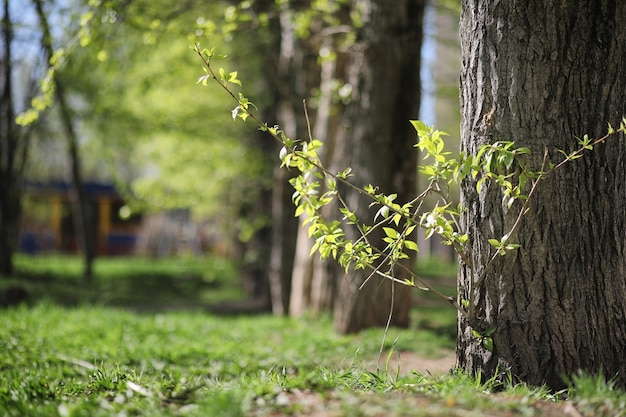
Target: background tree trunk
[
  {"x": 83, "y": 223},
  {"x": 377, "y": 143},
  {"x": 313, "y": 290},
  {"x": 540, "y": 73},
  {"x": 382, "y": 69},
  {"x": 14, "y": 145},
  {"x": 9, "y": 183},
  {"x": 296, "y": 75}
]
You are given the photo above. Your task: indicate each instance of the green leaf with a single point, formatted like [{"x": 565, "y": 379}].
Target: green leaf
[
  {"x": 479, "y": 184},
  {"x": 314, "y": 248},
  {"x": 494, "y": 242},
  {"x": 462, "y": 239},
  {"x": 427, "y": 170},
  {"x": 411, "y": 245},
  {"x": 370, "y": 189},
  {"x": 345, "y": 173},
  {"x": 508, "y": 160},
  {"x": 232, "y": 78},
  {"x": 419, "y": 126},
  {"x": 391, "y": 232},
  {"x": 487, "y": 343},
  {"x": 490, "y": 331}
]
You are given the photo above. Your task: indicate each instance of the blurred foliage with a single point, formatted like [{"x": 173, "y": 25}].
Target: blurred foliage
[{"x": 143, "y": 122}]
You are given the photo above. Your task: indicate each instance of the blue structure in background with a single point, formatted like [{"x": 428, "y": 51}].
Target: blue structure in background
[{"x": 47, "y": 224}]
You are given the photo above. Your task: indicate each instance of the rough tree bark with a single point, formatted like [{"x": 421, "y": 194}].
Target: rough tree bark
[
  {"x": 540, "y": 73},
  {"x": 377, "y": 143}
]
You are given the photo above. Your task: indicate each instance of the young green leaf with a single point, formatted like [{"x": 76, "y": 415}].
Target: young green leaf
[
  {"x": 391, "y": 232},
  {"x": 487, "y": 343},
  {"x": 232, "y": 78},
  {"x": 494, "y": 242},
  {"x": 411, "y": 245}
]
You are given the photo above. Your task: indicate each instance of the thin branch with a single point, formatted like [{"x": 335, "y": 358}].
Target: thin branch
[
  {"x": 317, "y": 163},
  {"x": 387, "y": 325},
  {"x": 462, "y": 249},
  {"x": 525, "y": 207}
]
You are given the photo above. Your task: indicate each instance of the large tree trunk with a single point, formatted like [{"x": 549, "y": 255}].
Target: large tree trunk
[
  {"x": 540, "y": 73},
  {"x": 377, "y": 143}
]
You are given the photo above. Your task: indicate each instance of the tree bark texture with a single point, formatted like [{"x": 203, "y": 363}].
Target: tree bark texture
[
  {"x": 377, "y": 143},
  {"x": 541, "y": 73}
]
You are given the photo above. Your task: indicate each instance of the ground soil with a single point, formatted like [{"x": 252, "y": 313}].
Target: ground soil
[
  {"x": 306, "y": 403},
  {"x": 402, "y": 363}
]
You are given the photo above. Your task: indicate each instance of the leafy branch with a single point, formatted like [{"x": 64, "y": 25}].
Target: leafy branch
[
  {"x": 56, "y": 59},
  {"x": 499, "y": 164}
]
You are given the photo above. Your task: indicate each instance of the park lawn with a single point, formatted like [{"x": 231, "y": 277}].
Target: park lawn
[
  {"x": 139, "y": 283},
  {"x": 98, "y": 355},
  {"x": 99, "y": 361}
]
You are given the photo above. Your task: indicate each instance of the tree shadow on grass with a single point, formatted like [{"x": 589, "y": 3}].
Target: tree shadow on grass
[{"x": 142, "y": 292}]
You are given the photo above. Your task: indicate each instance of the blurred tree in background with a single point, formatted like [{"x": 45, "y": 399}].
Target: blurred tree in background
[
  {"x": 128, "y": 95},
  {"x": 127, "y": 76},
  {"x": 20, "y": 72}
]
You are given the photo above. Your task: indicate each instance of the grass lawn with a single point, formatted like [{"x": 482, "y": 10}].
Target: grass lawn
[
  {"x": 93, "y": 356},
  {"x": 130, "y": 282}
]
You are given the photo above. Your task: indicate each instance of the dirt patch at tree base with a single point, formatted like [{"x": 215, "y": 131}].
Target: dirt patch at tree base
[
  {"x": 400, "y": 402},
  {"x": 402, "y": 363}
]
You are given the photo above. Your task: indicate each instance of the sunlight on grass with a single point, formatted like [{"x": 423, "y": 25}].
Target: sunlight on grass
[
  {"x": 90, "y": 351},
  {"x": 102, "y": 361},
  {"x": 56, "y": 357}
]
